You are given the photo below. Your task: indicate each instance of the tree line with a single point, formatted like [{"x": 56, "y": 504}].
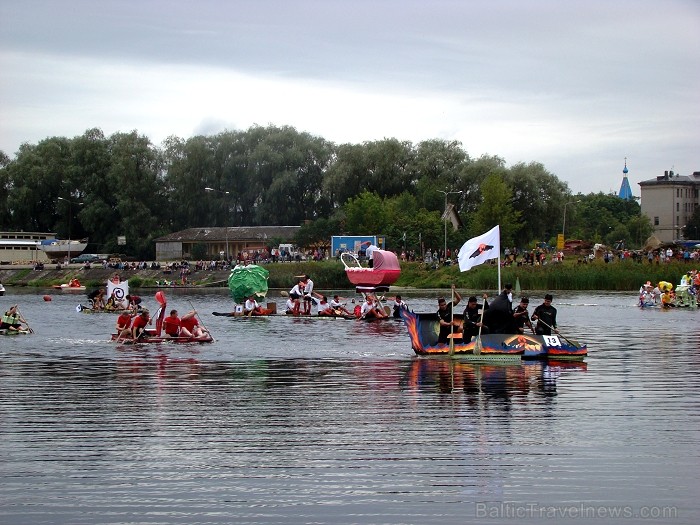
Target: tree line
[{"x": 103, "y": 187}]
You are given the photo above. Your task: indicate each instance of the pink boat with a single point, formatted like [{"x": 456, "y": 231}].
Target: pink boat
[{"x": 385, "y": 270}]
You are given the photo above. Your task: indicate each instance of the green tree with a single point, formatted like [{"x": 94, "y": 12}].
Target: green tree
[
  {"x": 365, "y": 214},
  {"x": 294, "y": 193},
  {"x": 344, "y": 177},
  {"x": 497, "y": 209},
  {"x": 598, "y": 218},
  {"x": 191, "y": 167},
  {"x": 317, "y": 233},
  {"x": 89, "y": 183},
  {"x": 36, "y": 178},
  {"x": 539, "y": 197},
  {"x": 423, "y": 228},
  {"x": 140, "y": 203}
]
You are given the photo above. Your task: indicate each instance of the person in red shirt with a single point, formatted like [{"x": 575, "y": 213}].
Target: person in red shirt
[
  {"x": 124, "y": 325},
  {"x": 138, "y": 327},
  {"x": 190, "y": 323},
  {"x": 173, "y": 326}
]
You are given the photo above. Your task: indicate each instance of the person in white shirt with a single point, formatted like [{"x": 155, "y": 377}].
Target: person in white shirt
[
  {"x": 292, "y": 307},
  {"x": 252, "y": 307},
  {"x": 308, "y": 294},
  {"x": 323, "y": 307},
  {"x": 295, "y": 295},
  {"x": 338, "y": 307},
  {"x": 370, "y": 309},
  {"x": 369, "y": 252}
]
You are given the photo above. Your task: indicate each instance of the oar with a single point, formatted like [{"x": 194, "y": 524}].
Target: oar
[
  {"x": 29, "y": 329},
  {"x": 452, "y": 323},
  {"x": 477, "y": 343},
  {"x": 559, "y": 333},
  {"x": 119, "y": 337}
]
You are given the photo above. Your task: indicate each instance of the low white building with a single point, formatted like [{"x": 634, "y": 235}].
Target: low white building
[
  {"x": 23, "y": 247},
  {"x": 219, "y": 240}
]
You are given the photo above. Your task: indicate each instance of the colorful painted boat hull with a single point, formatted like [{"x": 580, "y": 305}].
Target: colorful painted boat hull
[{"x": 423, "y": 330}]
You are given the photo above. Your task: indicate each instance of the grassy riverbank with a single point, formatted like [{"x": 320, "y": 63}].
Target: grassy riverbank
[{"x": 330, "y": 275}]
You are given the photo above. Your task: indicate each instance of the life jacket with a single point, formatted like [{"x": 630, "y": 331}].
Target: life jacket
[{"x": 10, "y": 319}]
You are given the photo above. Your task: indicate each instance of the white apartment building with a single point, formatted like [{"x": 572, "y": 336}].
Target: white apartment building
[{"x": 669, "y": 201}]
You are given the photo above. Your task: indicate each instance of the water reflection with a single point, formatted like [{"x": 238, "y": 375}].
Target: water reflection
[
  {"x": 307, "y": 421},
  {"x": 496, "y": 380}
]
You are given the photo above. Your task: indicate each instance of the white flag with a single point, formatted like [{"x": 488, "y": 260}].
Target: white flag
[
  {"x": 119, "y": 289},
  {"x": 480, "y": 249}
]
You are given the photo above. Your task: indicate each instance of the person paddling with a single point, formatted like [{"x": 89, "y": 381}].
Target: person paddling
[
  {"x": 124, "y": 325},
  {"x": 448, "y": 325},
  {"x": 138, "y": 327},
  {"x": 12, "y": 320},
  {"x": 546, "y": 317},
  {"x": 172, "y": 325}
]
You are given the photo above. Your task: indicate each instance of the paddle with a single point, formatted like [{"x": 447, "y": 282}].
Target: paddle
[
  {"x": 29, "y": 329},
  {"x": 119, "y": 337},
  {"x": 200, "y": 320},
  {"x": 558, "y": 333},
  {"x": 121, "y": 332},
  {"x": 477, "y": 343}
]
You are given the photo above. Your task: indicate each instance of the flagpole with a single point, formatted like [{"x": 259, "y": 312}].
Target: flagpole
[
  {"x": 499, "y": 271},
  {"x": 452, "y": 322}
]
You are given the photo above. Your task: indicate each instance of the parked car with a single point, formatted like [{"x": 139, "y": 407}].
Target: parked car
[{"x": 84, "y": 258}]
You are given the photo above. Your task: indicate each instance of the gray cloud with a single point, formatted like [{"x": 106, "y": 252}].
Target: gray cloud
[{"x": 575, "y": 85}]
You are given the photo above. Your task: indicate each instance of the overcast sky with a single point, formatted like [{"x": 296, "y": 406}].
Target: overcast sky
[{"x": 575, "y": 85}]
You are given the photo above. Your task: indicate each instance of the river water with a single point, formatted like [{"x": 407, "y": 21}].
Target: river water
[{"x": 300, "y": 421}]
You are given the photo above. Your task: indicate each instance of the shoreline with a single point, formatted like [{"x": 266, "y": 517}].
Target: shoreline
[{"x": 625, "y": 276}]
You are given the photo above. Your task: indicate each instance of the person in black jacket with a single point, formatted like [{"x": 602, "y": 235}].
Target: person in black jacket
[
  {"x": 473, "y": 318},
  {"x": 546, "y": 317},
  {"x": 499, "y": 317},
  {"x": 522, "y": 316},
  {"x": 444, "y": 313}
]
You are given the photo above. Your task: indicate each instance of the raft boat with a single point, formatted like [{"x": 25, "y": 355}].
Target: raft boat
[
  {"x": 423, "y": 330},
  {"x": 73, "y": 286},
  {"x": 7, "y": 331},
  {"x": 240, "y": 315},
  {"x": 156, "y": 336}
]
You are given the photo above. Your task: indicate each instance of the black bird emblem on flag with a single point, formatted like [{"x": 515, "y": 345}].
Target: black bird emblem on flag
[{"x": 481, "y": 249}]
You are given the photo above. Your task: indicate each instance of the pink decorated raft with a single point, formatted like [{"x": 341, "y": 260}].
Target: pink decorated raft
[{"x": 385, "y": 270}]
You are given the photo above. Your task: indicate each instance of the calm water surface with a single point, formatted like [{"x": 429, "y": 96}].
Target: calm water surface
[{"x": 332, "y": 421}]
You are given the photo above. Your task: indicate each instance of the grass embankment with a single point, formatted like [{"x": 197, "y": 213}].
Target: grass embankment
[
  {"x": 330, "y": 275},
  {"x": 616, "y": 276}
]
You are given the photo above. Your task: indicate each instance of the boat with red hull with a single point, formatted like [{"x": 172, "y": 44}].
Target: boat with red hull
[{"x": 157, "y": 336}]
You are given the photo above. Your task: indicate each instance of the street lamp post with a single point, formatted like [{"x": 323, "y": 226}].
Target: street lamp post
[
  {"x": 446, "y": 193},
  {"x": 563, "y": 225},
  {"x": 70, "y": 215},
  {"x": 225, "y": 222}
]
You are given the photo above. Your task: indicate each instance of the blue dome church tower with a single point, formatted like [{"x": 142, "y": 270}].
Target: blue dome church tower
[{"x": 625, "y": 190}]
